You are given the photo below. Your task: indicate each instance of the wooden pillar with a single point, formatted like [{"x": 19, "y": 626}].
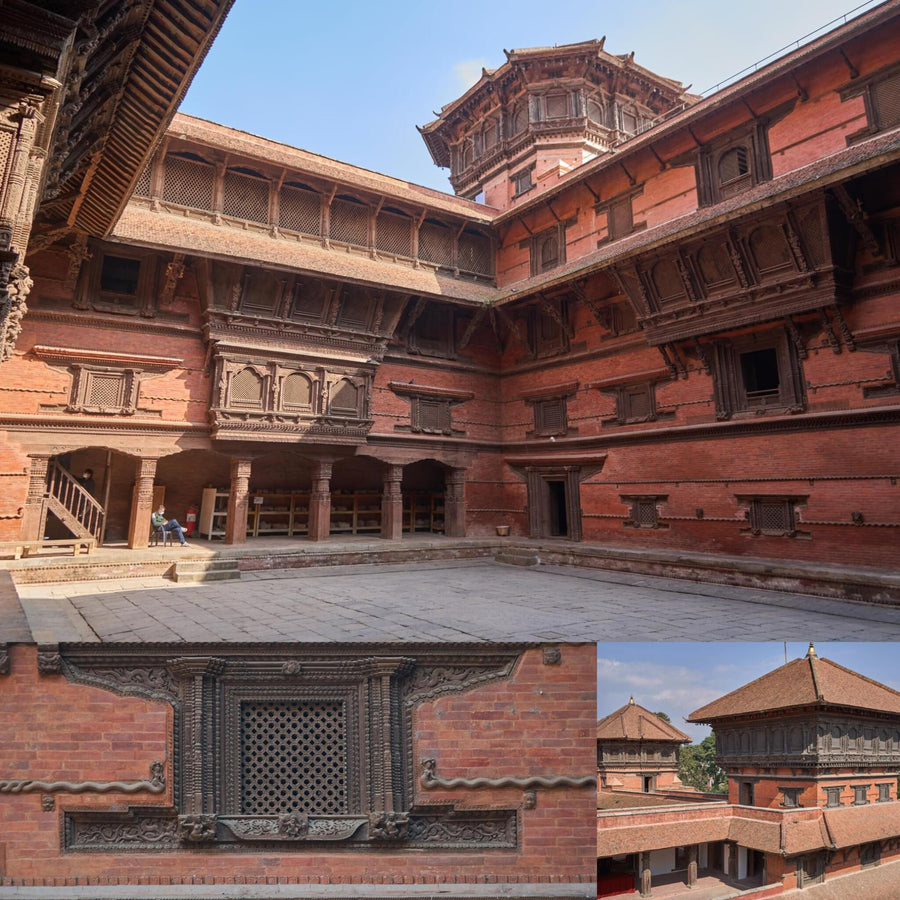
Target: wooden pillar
[
  {"x": 692, "y": 866},
  {"x": 34, "y": 514},
  {"x": 392, "y": 504},
  {"x": 646, "y": 877},
  {"x": 455, "y": 503},
  {"x": 320, "y": 501},
  {"x": 142, "y": 503},
  {"x": 238, "y": 502}
]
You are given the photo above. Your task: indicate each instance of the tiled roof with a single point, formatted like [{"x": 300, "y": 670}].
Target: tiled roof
[
  {"x": 715, "y": 826},
  {"x": 853, "y": 825},
  {"x": 803, "y": 682},
  {"x": 634, "y": 723},
  {"x": 629, "y": 800},
  {"x": 140, "y": 225}
]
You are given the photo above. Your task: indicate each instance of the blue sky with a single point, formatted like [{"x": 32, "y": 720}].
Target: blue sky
[
  {"x": 678, "y": 678},
  {"x": 352, "y": 79}
]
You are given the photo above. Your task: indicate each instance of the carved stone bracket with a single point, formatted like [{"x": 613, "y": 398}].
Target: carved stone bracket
[
  {"x": 156, "y": 784},
  {"x": 49, "y": 662},
  {"x": 4, "y": 659},
  {"x": 429, "y": 780}
]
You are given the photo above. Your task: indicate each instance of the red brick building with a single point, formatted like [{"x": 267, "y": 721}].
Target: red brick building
[
  {"x": 812, "y": 755},
  {"x": 671, "y": 327}
]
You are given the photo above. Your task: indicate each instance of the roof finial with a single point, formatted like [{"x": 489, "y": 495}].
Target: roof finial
[
  {"x": 811, "y": 653},
  {"x": 631, "y": 701}
]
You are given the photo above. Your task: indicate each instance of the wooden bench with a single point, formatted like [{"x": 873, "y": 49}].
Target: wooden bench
[{"x": 19, "y": 549}]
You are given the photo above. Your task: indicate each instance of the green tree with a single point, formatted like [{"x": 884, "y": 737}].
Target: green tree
[
  {"x": 663, "y": 716},
  {"x": 697, "y": 767}
]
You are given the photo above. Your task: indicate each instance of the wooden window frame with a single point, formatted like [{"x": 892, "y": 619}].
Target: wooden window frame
[
  {"x": 863, "y": 87},
  {"x": 522, "y": 181},
  {"x": 860, "y": 794},
  {"x": 92, "y": 296},
  {"x": 643, "y": 511},
  {"x": 445, "y": 346},
  {"x": 539, "y": 240},
  {"x": 754, "y": 140},
  {"x": 83, "y": 377},
  {"x": 547, "y": 424},
  {"x": 833, "y": 796},
  {"x": 756, "y": 516},
  {"x": 731, "y": 395},
  {"x": 608, "y": 208},
  {"x": 790, "y": 797},
  {"x": 625, "y": 395}
]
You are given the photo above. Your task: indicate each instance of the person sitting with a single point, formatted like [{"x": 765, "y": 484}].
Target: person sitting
[{"x": 160, "y": 522}]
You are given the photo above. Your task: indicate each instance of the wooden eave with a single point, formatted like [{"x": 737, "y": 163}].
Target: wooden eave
[{"x": 175, "y": 37}]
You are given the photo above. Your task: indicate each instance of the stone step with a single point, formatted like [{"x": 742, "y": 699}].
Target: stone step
[
  {"x": 196, "y": 570},
  {"x": 518, "y": 556}
]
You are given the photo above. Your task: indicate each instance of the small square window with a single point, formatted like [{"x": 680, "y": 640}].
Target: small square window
[
  {"x": 548, "y": 250},
  {"x": 860, "y": 795},
  {"x": 884, "y": 793},
  {"x": 522, "y": 182},
  {"x": 620, "y": 219},
  {"x": 644, "y": 511},
  {"x": 550, "y": 416},
  {"x": 761, "y": 377},
  {"x": 120, "y": 275},
  {"x": 774, "y": 516},
  {"x": 431, "y": 416},
  {"x": 833, "y": 797},
  {"x": 636, "y": 403},
  {"x": 870, "y": 854},
  {"x": 790, "y": 797}
]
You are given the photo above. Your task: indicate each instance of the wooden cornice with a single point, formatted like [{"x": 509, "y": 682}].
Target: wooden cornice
[
  {"x": 410, "y": 389},
  {"x": 70, "y": 355}
]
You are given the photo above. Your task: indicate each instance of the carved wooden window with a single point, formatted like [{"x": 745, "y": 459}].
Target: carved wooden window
[
  {"x": 119, "y": 276},
  {"x": 644, "y": 511},
  {"x": 619, "y": 218},
  {"x": 522, "y": 182},
  {"x": 548, "y": 249},
  {"x": 811, "y": 869},
  {"x": 548, "y": 334},
  {"x": 667, "y": 283},
  {"x": 772, "y": 515},
  {"x": 629, "y": 120},
  {"x": 262, "y": 291},
  {"x": 246, "y": 196},
  {"x": 349, "y": 221},
  {"x": 870, "y": 854},
  {"x": 436, "y": 243},
  {"x": 188, "y": 181},
  {"x": 881, "y": 94},
  {"x": 636, "y": 403},
  {"x": 246, "y": 389},
  {"x": 790, "y": 797},
  {"x": 769, "y": 249},
  {"x": 310, "y": 301},
  {"x": 103, "y": 391},
  {"x": 142, "y": 185},
  {"x": 344, "y": 399},
  {"x": 475, "y": 254},
  {"x": 433, "y": 332},
  {"x": 621, "y": 319},
  {"x": 715, "y": 267},
  {"x": 556, "y": 106},
  {"x": 430, "y": 415},
  {"x": 299, "y": 209},
  {"x": 394, "y": 232},
  {"x": 861, "y": 795},
  {"x": 758, "y": 375},
  {"x": 355, "y": 309},
  {"x": 518, "y": 118},
  {"x": 548, "y": 253},
  {"x": 118, "y": 282},
  {"x": 833, "y": 796},
  {"x": 595, "y": 111},
  {"x": 734, "y": 163},
  {"x": 550, "y": 416},
  {"x": 296, "y": 392},
  {"x": 884, "y": 792}
]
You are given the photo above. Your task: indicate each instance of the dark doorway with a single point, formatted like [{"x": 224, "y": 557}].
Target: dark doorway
[
  {"x": 559, "y": 520},
  {"x": 648, "y": 784}
]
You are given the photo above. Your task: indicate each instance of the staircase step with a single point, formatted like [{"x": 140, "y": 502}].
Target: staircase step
[
  {"x": 522, "y": 556},
  {"x": 196, "y": 570}
]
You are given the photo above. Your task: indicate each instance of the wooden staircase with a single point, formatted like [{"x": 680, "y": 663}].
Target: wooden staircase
[{"x": 72, "y": 504}]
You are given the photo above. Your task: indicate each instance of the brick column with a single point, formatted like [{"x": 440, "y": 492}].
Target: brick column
[
  {"x": 320, "y": 501},
  {"x": 142, "y": 503},
  {"x": 646, "y": 876},
  {"x": 455, "y": 503},
  {"x": 692, "y": 866},
  {"x": 35, "y": 514},
  {"x": 238, "y": 502},
  {"x": 392, "y": 504}
]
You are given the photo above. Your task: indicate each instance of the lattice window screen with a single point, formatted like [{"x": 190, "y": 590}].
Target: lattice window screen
[
  {"x": 188, "y": 183},
  {"x": 345, "y": 398},
  {"x": 637, "y": 403},
  {"x": 299, "y": 211},
  {"x": 246, "y": 197},
  {"x": 394, "y": 234},
  {"x": 619, "y": 219},
  {"x": 772, "y": 516},
  {"x": 296, "y": 391},
  {"x": 436, "y": 244},
  {"x": 349, "y": 223},
  {"x": 645, "y": 513},
  {"x": 474, "y": 253},
  {"x": 886, "y": 101},
  {"x": 294, "y": 757},
  {"x": 142, "y": 187},
  {"x": 550, "y": 416},
  {"x": 557, "y": 106},
  {"x": 354, "y": 311},
  {"x": 714, "y": 265},
  {"x": 246, "y": 388},
  {"x": 433, "y": 416},
  {"x": 105, "y": 391}
]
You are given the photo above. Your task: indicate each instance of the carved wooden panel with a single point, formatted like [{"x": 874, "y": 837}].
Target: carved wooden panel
[
  {"x": 188, "y": 182},
  {"x": 299, "y": 209}
]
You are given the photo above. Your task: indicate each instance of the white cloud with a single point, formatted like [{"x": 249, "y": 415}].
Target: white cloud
[{"x": 467, "y": 72}]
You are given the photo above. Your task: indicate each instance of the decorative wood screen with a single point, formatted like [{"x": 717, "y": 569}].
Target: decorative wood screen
[
  {"x": 436, "y": 243},
  {"x": 299, "y": 210},
  {"x": 349, "y": 222},
  {"x": 188, "y": 183},
  {"x": 886, "y": 101},
  {"x": 394, "y": 234},
  {"x": 296, "y": 391},
  {"x": 246, "y": 197},
  {"x": 246, "y": 389},
  {"x": 474, "y": 253}
]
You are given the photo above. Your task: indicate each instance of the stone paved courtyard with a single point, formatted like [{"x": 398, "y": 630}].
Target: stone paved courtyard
[{"x": 441, "y": 601}]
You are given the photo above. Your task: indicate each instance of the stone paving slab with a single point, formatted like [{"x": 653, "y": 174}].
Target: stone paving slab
[{"x": 443, "y": 601}]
